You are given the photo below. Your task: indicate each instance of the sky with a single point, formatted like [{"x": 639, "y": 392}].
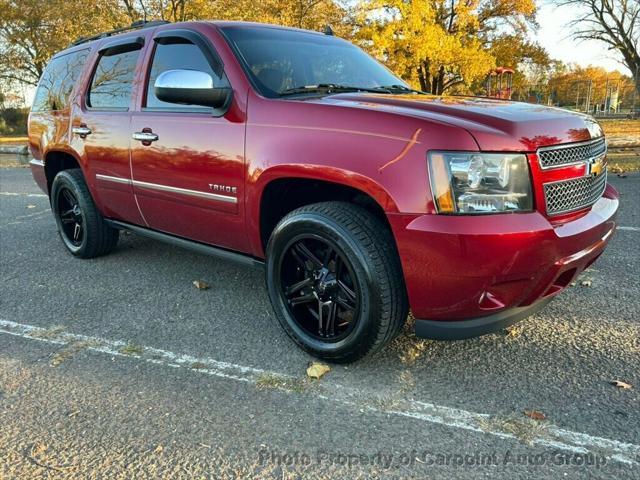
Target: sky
[{"x": 553, "y": 35}]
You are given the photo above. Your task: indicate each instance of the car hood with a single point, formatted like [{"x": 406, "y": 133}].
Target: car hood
[{"x": 496, "y": 125}]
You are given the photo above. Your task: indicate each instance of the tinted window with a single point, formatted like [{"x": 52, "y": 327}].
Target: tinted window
[
  {"x": 113, "y": 80},
  {"x": 279, "y": 59},
  {"x": 180, "y": 54},
  {"x": 58, "y": 80}
]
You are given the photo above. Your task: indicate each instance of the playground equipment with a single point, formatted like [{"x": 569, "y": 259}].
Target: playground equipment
[{"x": 499, "y": 83}]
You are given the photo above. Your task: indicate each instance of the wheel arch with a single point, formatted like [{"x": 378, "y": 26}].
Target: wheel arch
[
  {"x": 282, "y": 189},
  {"x": 56, "y": 161}
]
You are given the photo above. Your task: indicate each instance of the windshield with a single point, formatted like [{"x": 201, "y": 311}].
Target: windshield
[{"x": 280, "y": 60}]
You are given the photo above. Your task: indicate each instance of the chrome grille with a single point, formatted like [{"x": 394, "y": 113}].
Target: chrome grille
[
  {"x": 569, "y": 195},
  {"x": 562, "y": 155}
]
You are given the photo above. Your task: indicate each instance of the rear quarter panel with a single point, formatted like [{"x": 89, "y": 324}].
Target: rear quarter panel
[{"x": 49, "y": 131}]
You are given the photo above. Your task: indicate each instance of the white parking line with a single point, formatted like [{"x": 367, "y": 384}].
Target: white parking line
[
  {"x": 630, "y": 229},
  {"x": 14, "y": 194},
  {"x": 550, "y": 437},
  {"x": 32, "y": 216}
]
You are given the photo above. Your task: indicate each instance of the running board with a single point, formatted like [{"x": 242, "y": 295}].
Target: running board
[{"x": 189, "y": 244}]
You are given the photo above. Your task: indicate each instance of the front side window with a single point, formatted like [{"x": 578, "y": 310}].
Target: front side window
[
  {"x": 278, "y": 60},
  {"x": 178, "y": 54},
  {"x": 57, "y": 82},
  {"x": 113, "y": 80}
]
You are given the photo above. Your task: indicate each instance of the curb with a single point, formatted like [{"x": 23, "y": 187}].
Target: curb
[{"x": 23, "y": 150}]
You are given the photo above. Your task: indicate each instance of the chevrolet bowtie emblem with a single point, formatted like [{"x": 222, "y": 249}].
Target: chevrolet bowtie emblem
[{"x": 595, "y": 166}]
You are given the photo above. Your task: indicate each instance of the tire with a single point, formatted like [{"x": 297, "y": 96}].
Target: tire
[
  {"x": 80, "y": 225},
  {"x": 364, "y": 281}
]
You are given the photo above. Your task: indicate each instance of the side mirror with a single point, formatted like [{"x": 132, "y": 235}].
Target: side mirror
[{"x": 190, "y": 87}]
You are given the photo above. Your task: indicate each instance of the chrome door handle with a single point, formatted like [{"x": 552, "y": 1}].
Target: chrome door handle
[
  {"x": 145, "y": 136},
  {"x": 82, "y": 130}
]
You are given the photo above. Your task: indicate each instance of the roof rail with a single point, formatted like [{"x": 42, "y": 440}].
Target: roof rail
[{"x": 134, "y": 26}]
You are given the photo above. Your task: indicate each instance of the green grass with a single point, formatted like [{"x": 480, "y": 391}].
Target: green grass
[
  {"x": 131, "y": 349},
  {"x": 621, "y": 127},
  {"x": 13, "y": 139},
  {"x": 628, "y": 165}
]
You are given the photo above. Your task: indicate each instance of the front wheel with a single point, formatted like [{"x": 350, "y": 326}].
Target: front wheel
[
  {"x": 335, "y": 280},
  {"x": 81, "y": 226}
]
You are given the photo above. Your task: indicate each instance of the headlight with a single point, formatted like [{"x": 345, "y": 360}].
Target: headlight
[{"x": 476, "y": 183}]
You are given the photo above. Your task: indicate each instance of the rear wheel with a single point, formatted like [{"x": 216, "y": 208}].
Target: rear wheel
[
  {"x": 335, "y": 281},
  {"x": 81, "y": 226}
]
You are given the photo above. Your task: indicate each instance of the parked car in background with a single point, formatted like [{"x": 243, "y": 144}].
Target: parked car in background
[{"x": 296, "y": 151}]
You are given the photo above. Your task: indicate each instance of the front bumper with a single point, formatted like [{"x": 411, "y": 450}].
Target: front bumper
[
  {"x": 461, "y": 329},
  {"x": 465, "y": 268}
]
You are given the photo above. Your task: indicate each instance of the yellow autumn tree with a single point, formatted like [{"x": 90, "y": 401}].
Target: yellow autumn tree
[
  {"x": 574, "y": 84},
  {"x": 530, "y": 61},
  {"x": 439, "y": 44},
  {"x": 308, "y": 14},
  {"x": 31, "y": 31}
]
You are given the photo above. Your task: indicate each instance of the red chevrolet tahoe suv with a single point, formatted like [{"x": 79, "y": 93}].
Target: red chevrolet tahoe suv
[{"x": 296, "y": 151}]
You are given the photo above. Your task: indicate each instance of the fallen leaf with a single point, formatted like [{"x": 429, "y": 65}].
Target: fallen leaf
[
  {"x": 200, "y": 285},
  {"x": 317, "y": 370},
  {"x": 31, "y": 206},
  {"x": 535, "y": 414},
  {"x": 585, "y": 283},
  {"x": 621, "y": 385},
  {"x": 38, "y": 448},
  {"x": 514, "y": 331}
]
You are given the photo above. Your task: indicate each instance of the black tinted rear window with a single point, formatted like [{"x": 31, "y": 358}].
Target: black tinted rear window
[
  {"x": 112, "y": 81},
  {"x": 58, "y": 80}
]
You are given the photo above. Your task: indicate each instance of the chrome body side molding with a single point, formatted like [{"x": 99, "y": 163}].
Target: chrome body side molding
[{"x": 168, "y": 188}]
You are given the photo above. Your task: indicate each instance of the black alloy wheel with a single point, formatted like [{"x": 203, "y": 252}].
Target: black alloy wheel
[
  {"x": 317, "y": 286},
  {"x": 71, "y": 217},
  {"x": 82, "y": 228},
  {"x": 335, "y": 281}
]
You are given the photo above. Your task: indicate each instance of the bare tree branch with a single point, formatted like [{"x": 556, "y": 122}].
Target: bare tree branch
[{"x": 612, "y": 22}]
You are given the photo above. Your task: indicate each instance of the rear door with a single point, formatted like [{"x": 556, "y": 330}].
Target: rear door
[
  {"x": 188, "y": 175},
  {"x": 100, "y": 127}
]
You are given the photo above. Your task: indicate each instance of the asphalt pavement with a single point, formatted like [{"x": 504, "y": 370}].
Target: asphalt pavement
[{"x": 119, "y": 367}]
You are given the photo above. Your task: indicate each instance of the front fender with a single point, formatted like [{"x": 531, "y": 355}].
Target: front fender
[
  {"x": 261, "y": 178},
  {"x": 380, "y": 153}
]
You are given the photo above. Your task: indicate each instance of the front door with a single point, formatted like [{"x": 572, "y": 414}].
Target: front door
[{"x": 187, "y": 163}]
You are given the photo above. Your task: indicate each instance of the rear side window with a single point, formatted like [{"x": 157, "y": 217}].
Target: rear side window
[
  {"x": 113, "y": 79},
  {"x": 57, "y": 81},
  {"x": 178, "y": 54}
]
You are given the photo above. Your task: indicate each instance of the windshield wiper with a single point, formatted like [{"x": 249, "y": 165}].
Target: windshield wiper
[
  {"x": 331, "y": 87},
  {"x": 401, "y": 88}
]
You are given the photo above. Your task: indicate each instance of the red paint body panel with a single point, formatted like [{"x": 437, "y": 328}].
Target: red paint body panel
[
  {"x": 106, "y": 152},
  {"x": 37, "y": 170},
  {"x": 452, "y": 263},
  {"x": 202, "y": 151},
  {"x": 455, "y": 267}
]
